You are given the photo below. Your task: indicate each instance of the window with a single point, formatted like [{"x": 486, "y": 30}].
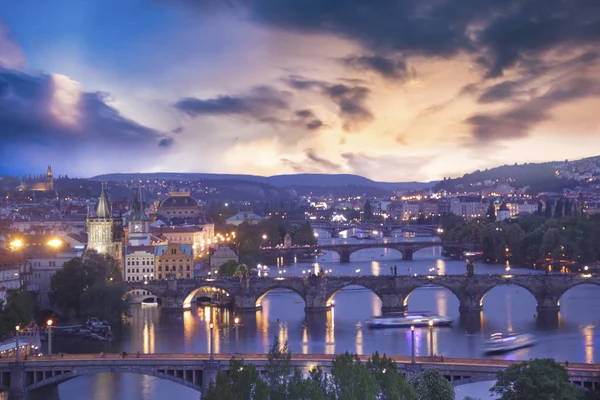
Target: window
[
  {"x": 173, "y": 251},
  {"x": 128, "y": 262},
  {"x": 159, "y": 268},
  {"x": 137, "y": 263},
  {"x": 188, "y": 276},
  {"x": 187, "y": 268},
  {"x": 159, "y": 276},
  {"x": 137, "y": 270},
  {"x": 143, "y": 262}
]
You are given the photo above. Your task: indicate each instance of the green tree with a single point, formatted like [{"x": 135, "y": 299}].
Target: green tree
[
  {"x": 431, "y": 385},
  {"x": 367, "y": 211},
  {"x": 350, "y": 379},
  {"x": 278, "y": 369},
  {"x": 491, "y": 213},
  {"x": 314, "y": 387},
  {"x": 105, "y": 302},
  {"x": 304, "y": 235},
  {"x": 19, "y": 310},
  {"x": 241, "y": 382},
  {"x": 539, "y": 379},
  {"x": 68, "y": 284},
  {"x": 392, "y": 385},
  {"x": 228, "y": 268}
]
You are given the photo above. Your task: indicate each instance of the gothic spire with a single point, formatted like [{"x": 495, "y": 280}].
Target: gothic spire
[{"x": 103, "y": 210}]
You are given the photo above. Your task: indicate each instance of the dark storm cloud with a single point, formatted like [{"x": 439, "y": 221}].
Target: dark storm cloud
[
  {"x": 327, "y": 165},
  {"x": 308, "y": 118},
  {"x": 499, "y": 33},
  {"x": 260, "y": 103},
  {"x": 517, "y": 121},
  {"x": 501, "y": 91},
  {"x": 166, "y": 142},
  {"x": 384, "y": 66},
  {"x": 27, "y": 118},
  {"x": 350, "y": 100}
]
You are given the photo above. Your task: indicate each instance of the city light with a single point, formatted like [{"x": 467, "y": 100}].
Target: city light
[
  {"x": 16, "y": 244},
  {"x": 55, "y": 243}
]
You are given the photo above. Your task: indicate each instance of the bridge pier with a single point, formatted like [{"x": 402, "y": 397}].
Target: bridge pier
[
  {"x": 470, "y": 302},
  {"x": 407, "y": 254},
  {"x": 209, "y": 375},
  {"x": 17, "y": 389},
  {"x": 392, "y": 303},
  {"x": 245, "y": 302},
  {"x": 547, "y": 304},
  {"x": 345, "y": 256},
  {"x": 470, "y": 321}
]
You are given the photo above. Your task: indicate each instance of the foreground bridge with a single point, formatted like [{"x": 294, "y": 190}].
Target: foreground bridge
[
  {"x": 198, "y": 370},
  {"x": 394, "y": 291},
  {"x": 407, "y": 249}
]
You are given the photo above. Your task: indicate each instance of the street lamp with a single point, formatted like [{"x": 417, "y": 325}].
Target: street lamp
[
  {"x": 49, "y": 323},
  {"x": 236, "y": 323},
  {"x": 17, "y": 328},
  {"x": 431, "y": 338},
  {"x": 264, "y": 236},
  {"x": 412, "y": 335}
]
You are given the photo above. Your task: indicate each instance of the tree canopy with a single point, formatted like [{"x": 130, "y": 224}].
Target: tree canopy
[
  {"x": 431, "y": 385},
  {"x": 539, "y": 379},
  {"x": 19, "y": 310}
]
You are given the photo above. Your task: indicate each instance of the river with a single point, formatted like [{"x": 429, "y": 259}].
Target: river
[{"x": 572, "y": 337}]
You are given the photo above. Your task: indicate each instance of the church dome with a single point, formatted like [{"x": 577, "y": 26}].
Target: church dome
[{"x": 179, "y": 200}]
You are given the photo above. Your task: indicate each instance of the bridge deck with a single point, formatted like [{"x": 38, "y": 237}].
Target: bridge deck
[{"x": 132, "y": 358}]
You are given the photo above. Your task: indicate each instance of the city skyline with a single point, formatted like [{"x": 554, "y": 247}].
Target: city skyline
[{"x": 393, "y": 91}]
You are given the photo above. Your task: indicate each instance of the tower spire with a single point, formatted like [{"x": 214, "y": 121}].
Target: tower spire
[{"x": 103, "y": 210}]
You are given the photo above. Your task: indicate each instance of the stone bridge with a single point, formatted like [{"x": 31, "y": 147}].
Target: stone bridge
[
  {"x": 394, "y": 291},
  {"x": 387, "y": 229},
  {"x": 407, "y": 249},
  {"x": 198, "y": 370}
]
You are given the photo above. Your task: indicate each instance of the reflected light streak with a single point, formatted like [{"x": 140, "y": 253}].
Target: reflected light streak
[
  {"x": 148, "y": 337},
  {"x": 359, "y": 341},
  {"x": 305, "y": 340},
  {"x": 441, "y": 302},
  {"x": 441, "y": 267},
  {"x": 330, "y": 332},
  {"x": 588, "y": 335},
  {"x": 188, "y": 328},
  {"x": 375, "y": 268},
  {"x": 283, "y": 336},
  {"x": 509, "y": 312}
]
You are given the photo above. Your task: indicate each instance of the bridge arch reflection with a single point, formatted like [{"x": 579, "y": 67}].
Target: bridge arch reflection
[{"x": 280, "y": 289}]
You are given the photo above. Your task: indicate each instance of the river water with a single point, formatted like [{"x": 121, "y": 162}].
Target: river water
[{"x": 574, "y": 336}]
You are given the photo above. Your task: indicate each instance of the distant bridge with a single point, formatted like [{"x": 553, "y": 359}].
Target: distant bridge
[
  {"x": 198, "y": 370},
  {"x": 394, "y": 291},
  {"x": 386, "y": 229},
  {"x": 406, "y": 248}
]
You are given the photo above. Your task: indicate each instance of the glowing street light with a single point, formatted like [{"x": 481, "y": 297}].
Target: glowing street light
[
  {"x": 17, "y": 329},
  {"x": 412, "y": 335},
  {"x": 264, "y": 236},
  {"x": 236, "y": 323},
  {"x": 55, "y": 243},
  {"x": 16, "y": 244},
  {"x": 431, "y": 338},
  {"x": 49, "y": 323}
]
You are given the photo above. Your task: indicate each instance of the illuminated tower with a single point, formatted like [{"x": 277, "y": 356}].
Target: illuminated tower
[
  {"x": 101, "y": 230},
  {"x": 139, "y": 223}
]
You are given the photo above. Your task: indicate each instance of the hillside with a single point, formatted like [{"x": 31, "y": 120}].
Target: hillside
[{"x": 296, "y": 181}]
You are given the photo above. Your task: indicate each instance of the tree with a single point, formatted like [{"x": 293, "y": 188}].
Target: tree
[
  {"x": 228, "y": 268},
  {"x": 367, "y": 211},
  {"x": 314, "y": 387},
  {"x": 392, "y": 385},
  {"x": 104, "y": 302},
  {"x": 431, "y": 385},
  {"x": 278, "y": 369},
  {"x": 491, "y": 213},
  {"x": 242, "y": 382},
  {"x": 539, "y": 379},
  {"x": 304, "y": 235},
  {"x": 68, "y": 284},
  {"x": 350, "y": 379},
  {"x": 19, "y": 310}
]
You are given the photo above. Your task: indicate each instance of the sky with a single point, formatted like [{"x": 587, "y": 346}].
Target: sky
[{"x": 393, "y": 90}]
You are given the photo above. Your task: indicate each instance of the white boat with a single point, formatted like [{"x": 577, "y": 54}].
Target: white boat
[
  {"x": 502, "y": 343},
  {"x": 416, "y": 320}
]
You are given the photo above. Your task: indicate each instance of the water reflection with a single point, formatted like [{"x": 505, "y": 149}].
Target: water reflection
[{"x": 588, "y": 335}]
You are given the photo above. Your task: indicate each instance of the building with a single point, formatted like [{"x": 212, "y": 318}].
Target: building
[
  {"x": 138, "y": 223},
  {"x": 104, "y": 231},
  {"x": 179, "y": 205},
  {"x": 222, "y": 254},
  {"x": 139, "y": 263},
  {"x": 469, "y": 209},
  {"x": 39, "y": 184},
  {"x": 242, "y": 217},
  {"x": 173, "y": 261},
  {"x": 503, "y": 212},
  {"x": 200, "y": 237}
]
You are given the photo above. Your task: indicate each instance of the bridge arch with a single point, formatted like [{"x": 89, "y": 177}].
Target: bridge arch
[
  {"x": 433, "y": 284},
  {"x": 578, "y": 285},
  {"x": 382, "y": 247},
  {"x": 141, "y": 294},
  {"x": 509, "y": 282},
  {"x": 279, "y": 287},
  {"x": 186, "y": 377},
  {"x": 213, "y": 287},
  {"x": 330, "y": 301}
]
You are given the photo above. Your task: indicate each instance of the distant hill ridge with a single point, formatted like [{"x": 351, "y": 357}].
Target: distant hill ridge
[{"x": 291, "y": 180}]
